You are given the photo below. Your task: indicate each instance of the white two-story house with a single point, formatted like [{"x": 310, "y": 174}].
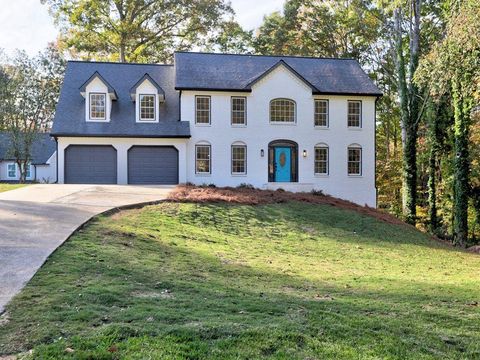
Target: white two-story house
[{"x": 294, "y": 123}]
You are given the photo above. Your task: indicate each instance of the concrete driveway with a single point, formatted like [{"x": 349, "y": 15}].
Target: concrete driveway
[{"x": 36, "y": 219}]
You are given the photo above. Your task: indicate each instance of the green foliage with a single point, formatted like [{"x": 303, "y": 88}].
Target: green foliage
[
  {"x": 316, "y": 28},
  {"x": 219, "y": 281},
  {"x": 29, "y": 89},
  {"x": 135, "y": 30}
]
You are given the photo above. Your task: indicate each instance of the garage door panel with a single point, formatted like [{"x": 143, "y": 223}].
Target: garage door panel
[
  {"x": 90, "y": 164},
  {"x": 153, "y": 165}
]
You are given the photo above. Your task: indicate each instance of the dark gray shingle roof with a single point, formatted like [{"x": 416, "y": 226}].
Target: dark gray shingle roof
[
  {"x": 70, "y": 113},
  {"x": 43, "y": 148},
  {"x": 237, "y": 72}
]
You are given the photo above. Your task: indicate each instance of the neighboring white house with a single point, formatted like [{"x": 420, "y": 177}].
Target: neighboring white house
[
  {"x": 42, "y": 168},
  {"x": 273, "y": 122}
]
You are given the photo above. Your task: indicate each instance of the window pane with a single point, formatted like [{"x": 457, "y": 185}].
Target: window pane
[
  {"x": 239, "y": 159},
  {"x": 354, "y": 113},
  {"x": 282, "y": 110},
  {"x": 238, "y": 111},
  {"x": 12, "y": 170},
  {"x": 202, "y": 115},
  {"x": 97, "y": 106},
  {"x": 202, "y": 159},
  {"x": 354, "y": 161},
  {"x": 321, "y": 160},
  {"x": 147, "y": 107},
  {"x": 321, "y": 113}
]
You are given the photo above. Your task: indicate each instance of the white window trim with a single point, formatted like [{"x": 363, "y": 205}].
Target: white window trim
[
  {"x": 323, "y": 127},
  {"x": 322, "y": 146},
  {"x": 155, "y": 109},
  {"x": 30, "y": 171},
  {"x": 209, "y": 110},
  {"x": 89, "y": 107},
  {"x": 209, "y": 173},
  {"x": 294, "y": 122},
  {"x": 361, "y": 115},
  {"x": 358, "y": 147},
  {"x": 244, "y": 98},
  {"x": 15, "y": 170},
  {"x": 231, "y": 159}
]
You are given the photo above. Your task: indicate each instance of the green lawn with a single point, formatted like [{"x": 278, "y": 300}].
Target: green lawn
[
  {"x": 7, "y": 187},
  {"x": 284, "y": 281}
]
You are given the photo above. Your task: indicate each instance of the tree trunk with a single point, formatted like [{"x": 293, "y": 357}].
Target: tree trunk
[
  {"x": 460, "y": 206},
  {"x": 409, "y": 109},
  {"x": 432, "y": 169}
]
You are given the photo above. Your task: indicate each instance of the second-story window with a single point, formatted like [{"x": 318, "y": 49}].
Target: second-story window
[
  {"x": 354, "y": 114},
  {"x": 202, "y": 110},
  {"x": 147, "y": 107},
  {"x": 239, "y": 110},
  {"x": 282, "y": 111},
  {"x": 97, "y": 106},
  {"x": 321, "y": 113}
]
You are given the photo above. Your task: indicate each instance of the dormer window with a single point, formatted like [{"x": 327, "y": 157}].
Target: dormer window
[
  {"x": 147, "y": 107},
  {"x": 98, "y": 106},
  {"x": 98, "y": 94},
  {"x": 148, "y": 96}
]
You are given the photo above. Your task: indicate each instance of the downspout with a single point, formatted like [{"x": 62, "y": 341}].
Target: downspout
[
  {"x": 56, "y": 161},
  {"x": 180, "y": 106},
  {"x": 35, "y": 167},
  {"x": 375, "y": 150}
]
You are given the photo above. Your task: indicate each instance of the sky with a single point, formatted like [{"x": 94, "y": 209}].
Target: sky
[{"x": 26, "y": 24}]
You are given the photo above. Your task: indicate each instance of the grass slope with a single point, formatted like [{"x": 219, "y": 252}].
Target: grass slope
[
  {"x": 283, "y": 281},
  {"x": 8, "y": 187}
]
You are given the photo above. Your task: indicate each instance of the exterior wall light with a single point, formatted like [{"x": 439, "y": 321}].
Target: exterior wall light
[
  {"x": 304, "y": 153},
  {"x": 262, "y": 153}
]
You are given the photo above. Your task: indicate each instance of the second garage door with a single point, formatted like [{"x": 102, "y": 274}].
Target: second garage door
[
  {"x": 90, "y": 164},
  {"x": 153, "y": 165}
]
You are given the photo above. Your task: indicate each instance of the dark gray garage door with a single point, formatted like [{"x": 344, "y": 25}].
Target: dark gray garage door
[
  {"x": 90, "y": 164},
  {"x": 152, "y": 165}
]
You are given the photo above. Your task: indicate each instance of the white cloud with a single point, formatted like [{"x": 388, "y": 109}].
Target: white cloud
[
  {"x": 250, "y": 13},
  {"x": 25, "y": 24}
]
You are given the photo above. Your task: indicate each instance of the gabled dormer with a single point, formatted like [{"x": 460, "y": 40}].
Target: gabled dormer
[
  {"x": 98, "y": 94},
  {"x": 147, "y": 96}
]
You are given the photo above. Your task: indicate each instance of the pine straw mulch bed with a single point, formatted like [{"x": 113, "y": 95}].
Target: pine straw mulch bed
[{"x": 250, "y": 196}]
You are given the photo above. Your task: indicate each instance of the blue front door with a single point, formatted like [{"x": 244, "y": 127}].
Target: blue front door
[{"x": 283, "y": 166}]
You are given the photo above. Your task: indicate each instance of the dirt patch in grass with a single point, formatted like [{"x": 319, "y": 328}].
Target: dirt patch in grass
[{"x": 248, "y": 196}]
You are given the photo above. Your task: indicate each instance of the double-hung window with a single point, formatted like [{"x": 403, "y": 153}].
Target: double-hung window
[
  {"x": 354, "y": 114},
  {"x": 321, "y": 113},
  {"x": 203, "y": 164},
  {"x": 147, "y": 107},
  {"x": 354, "y": 160},
  {"x": 98, "y": 106},
  {"x": 239, "y": 159},
  {"x": 321, "y": 160},
  {"x": 239, "y": 111},
  {"x": 202, "y": 110},
  {"x": 11, "y": 170},
  {"x": 28, "y": 172}
]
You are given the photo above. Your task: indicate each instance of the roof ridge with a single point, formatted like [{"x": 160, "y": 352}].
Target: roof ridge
[
  {"x": 117, "y": 63},
  {"x": 260, "y": 55}
]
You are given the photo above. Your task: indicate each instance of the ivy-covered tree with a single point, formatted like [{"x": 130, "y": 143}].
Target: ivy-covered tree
[{"x": 454, "y": 66}]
